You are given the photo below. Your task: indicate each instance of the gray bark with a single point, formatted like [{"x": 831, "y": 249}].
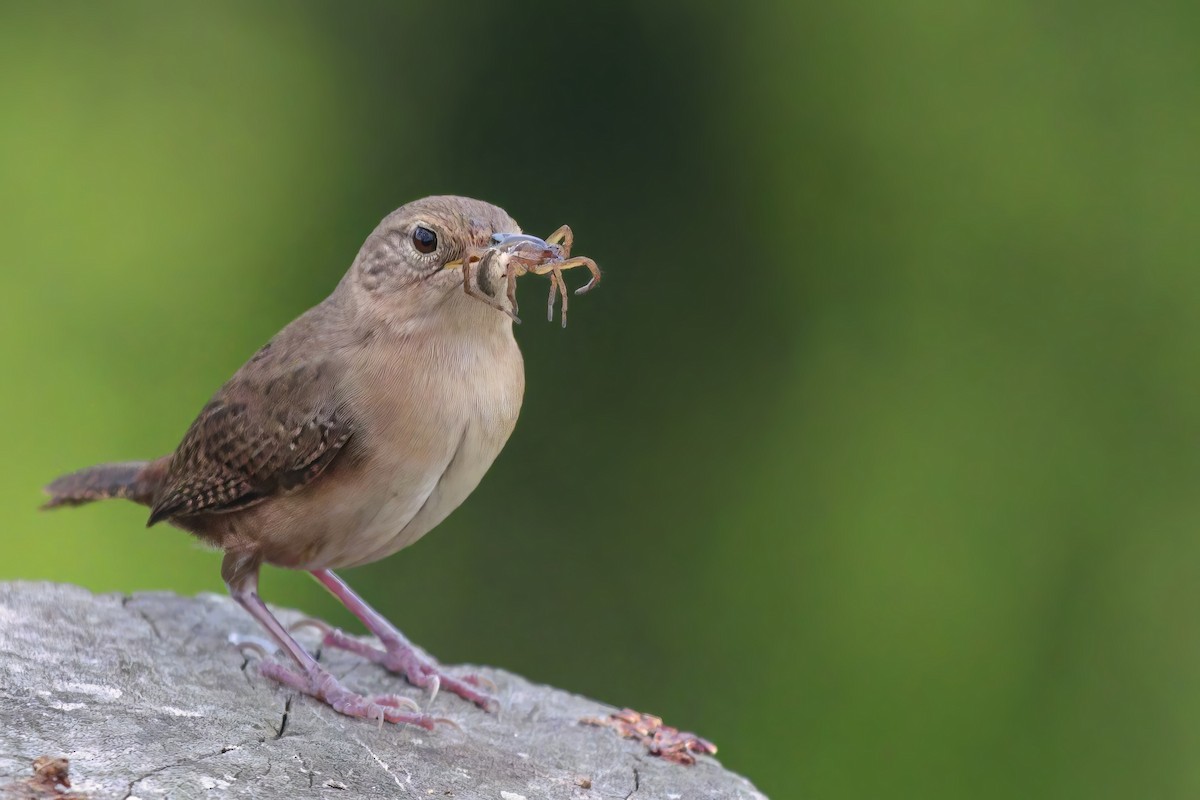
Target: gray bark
[{"x": 146, "y": 698}]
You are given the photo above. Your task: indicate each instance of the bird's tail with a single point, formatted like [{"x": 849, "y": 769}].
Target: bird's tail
[{"x": 130, "y": 480}]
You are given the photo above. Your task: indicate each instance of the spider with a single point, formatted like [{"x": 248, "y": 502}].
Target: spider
[{"x": 521, "y": 254}]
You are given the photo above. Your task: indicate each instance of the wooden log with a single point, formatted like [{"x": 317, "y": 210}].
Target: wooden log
[{"x": 146, "y": 697}]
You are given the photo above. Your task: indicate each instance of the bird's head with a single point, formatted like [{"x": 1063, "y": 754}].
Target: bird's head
[{"x": 411, "y": 264}]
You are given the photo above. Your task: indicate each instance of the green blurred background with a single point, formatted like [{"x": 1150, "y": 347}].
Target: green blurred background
[{"x": 874, "y": 458}]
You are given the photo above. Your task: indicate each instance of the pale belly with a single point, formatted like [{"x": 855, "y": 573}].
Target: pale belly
[
  {"x": 411, "y": 507},
  {"x": 420, "y": 462}
]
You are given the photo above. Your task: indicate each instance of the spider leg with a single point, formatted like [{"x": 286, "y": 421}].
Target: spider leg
[
  {"x": 474, "y": 291},
  {"x": 564, "y": 237},
  {"x": 571, "y": 263},
  {"x": 551, "y": 297},
  {"x": 511, "y": 277},
  {"x": 559, "y": 282}
]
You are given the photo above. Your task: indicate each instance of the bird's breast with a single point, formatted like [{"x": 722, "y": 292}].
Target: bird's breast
[{"x": 429, "y": 420}]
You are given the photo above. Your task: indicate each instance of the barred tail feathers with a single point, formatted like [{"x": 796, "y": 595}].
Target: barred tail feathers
[{"x": 130, "y": 480}]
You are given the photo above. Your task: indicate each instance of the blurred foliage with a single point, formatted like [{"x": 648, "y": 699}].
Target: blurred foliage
[{"x": 872, "y": 460}]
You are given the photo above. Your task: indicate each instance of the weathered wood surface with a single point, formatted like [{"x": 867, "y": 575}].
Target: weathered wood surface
[{"x": 146, "y": 698}]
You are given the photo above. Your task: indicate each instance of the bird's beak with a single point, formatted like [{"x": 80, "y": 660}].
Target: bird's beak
[{"x": 508, "y": 243}]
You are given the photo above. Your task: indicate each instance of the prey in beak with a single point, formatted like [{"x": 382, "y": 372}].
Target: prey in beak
[{"x": 520, "y": 253}]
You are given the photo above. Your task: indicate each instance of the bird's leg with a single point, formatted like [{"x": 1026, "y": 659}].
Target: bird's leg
[
  {"x": 398, "y": 654},
  {"x": 241, "y": 576}
]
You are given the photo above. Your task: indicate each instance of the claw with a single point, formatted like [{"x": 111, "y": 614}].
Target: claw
[
  {"x": 399, "y": 657},
  {"x": 323, "y": 627},
  {"x": 321, "y": 685},
  {"x": 396, "y": 701},
  {"x": 253, "y": 647},
  {"x": 420, "y": 720},
  {"x": 397, "y": 654},
  {"x": 482, "y": 681}
]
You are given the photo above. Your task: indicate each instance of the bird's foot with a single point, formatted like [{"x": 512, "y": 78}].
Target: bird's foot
[
  {"x": 400, "y": 657},
  {"x": 321, "y": 685}
]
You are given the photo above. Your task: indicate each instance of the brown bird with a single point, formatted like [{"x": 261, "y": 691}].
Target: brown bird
[{"x": 357, "y": 429}]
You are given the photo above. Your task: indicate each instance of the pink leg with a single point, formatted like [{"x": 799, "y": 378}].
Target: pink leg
[
  {"x": 398, "y": 654},
  {"x": 315, "y": 681}
]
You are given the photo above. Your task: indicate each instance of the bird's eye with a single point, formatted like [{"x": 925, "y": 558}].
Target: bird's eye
[{"x": 424, "y": 240}]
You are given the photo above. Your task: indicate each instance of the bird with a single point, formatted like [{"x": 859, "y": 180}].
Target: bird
[{"x": 355, "y": 431}]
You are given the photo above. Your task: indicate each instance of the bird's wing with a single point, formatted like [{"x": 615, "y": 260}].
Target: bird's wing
[{"x": 273, "y": 427}]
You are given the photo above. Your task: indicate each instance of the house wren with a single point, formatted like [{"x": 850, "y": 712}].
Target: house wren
[{"x": 357, "y": 429}]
